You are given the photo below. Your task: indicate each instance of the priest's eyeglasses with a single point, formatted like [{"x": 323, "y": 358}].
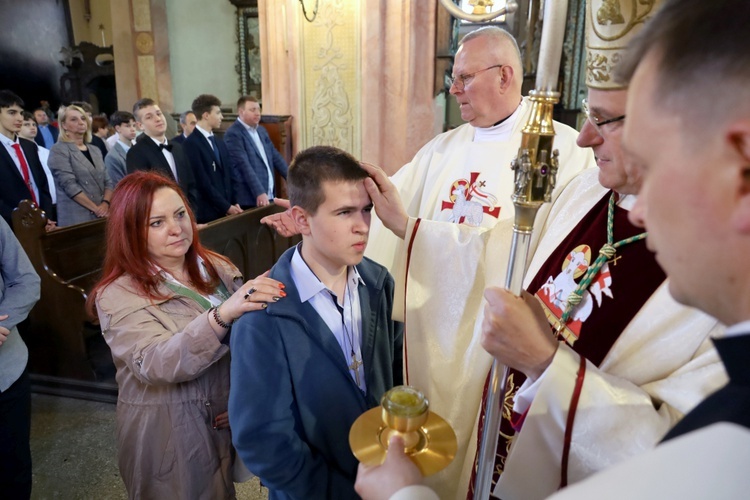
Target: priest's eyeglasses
[
  {"x": 595, "y": 120},
  {"x": 462, "y": 81}
]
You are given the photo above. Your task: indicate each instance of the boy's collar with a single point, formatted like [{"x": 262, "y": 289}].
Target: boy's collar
[{"x": 310, "y": 283}]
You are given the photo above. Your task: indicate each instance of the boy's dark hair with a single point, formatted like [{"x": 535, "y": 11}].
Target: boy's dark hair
[
  {"x": 8, "y": 99},
  {"x": 120, "y": 117},
  {"x": 695, "y": 45},
  {"x": 245, "y": 98},
  {"x": 28, "y": 116},
  {"x": 140, "y": 104},
  {"x": 203, "y": 104},
  {"x": 314, "y": 166}
]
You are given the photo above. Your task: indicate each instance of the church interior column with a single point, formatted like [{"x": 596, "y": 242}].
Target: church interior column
[
  {"x": 359, "y": 76},
  {"x": 141, "y": 50},
  {"x": 280, "y": 66},
  {"x": 398, "y": 67}
]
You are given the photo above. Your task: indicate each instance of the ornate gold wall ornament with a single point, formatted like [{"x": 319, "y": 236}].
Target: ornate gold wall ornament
[
  {"x": 144, "y": 42},
  {"x": 331, "y": 63},
  {"x": 141, "y": 15},
  {"x": 147, "y": 77},
  {"x": 481, "y": 6},
  {"x": 482, "y": 15}
]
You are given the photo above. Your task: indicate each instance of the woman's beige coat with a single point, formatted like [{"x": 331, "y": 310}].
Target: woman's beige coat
[{"x": 173, "y": 379}]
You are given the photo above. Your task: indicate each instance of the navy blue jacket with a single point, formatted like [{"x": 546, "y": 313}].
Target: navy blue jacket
[
  {"x": 731, "y": 403},
  {"x": 213, "y": 180},
  {"x": 248, "y": 170},
  {"x": 179, "y": 138},
  {"x": 292, "y": 399}
]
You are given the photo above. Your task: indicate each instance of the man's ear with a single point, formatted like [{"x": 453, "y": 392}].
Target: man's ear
[
  {"x": 739, "y": 140},
  {"x": 139, "y": 126},
  {"x": 301, "y": 219},
  {"x": 506, "y": 77}
]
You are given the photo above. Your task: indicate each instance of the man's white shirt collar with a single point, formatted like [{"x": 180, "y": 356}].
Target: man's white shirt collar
[
  {"x": 501, "y": 131},
  {"x": 205, "y": 134},
  {"x": 741, "y": 328},
  {"x": 8, "y": 142},
  {"x": 248, "y": 127},
  {"x": 159, "y": 143}
]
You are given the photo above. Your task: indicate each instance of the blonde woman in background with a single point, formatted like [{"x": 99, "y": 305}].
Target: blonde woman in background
[{"x": 83, "y": 185}]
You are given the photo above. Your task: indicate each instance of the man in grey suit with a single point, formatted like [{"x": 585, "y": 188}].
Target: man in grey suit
[
  {"x": 253, "y": 156},
  {"x": 124, "y": 124},
  {"x": 19, "y": 291}
]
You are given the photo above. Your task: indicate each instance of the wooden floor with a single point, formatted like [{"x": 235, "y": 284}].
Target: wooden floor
[{"x": 74, "y": 452}]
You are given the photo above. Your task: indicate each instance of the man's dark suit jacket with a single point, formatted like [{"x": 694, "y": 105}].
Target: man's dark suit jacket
[
  {"x": 39, "y": 139},
  {"x": 146, "y": 155},
  {"x": 249, "y": 173},
  {"x": 12, "y": 186},
  {"x": 179, "y": 139},
  {"x": 731, "y": 403},
  {"x": 214, "y": 180}
]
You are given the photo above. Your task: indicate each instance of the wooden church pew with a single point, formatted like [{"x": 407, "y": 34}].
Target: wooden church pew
[{"x": 67, "y": 355}]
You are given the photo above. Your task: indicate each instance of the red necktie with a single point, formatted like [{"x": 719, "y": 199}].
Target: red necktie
[{"x": 25, "y": 171}]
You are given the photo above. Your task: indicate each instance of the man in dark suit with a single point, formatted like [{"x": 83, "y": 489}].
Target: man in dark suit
[
  {"x": 154, "y": 152},
  {"x": 209, "y": 159},
  {"x": 46, "y": 134},
  {"x": 254, "y": 159},
  {"x": 187, "y": 124},
  {"x": 21, "y": 174}
]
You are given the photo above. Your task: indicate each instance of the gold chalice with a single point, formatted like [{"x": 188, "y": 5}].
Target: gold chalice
[{"x": 428, "y": 439}]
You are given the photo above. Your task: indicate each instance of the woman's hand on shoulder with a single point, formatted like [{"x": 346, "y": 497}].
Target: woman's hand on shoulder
[{"x": 253, "y": 295}]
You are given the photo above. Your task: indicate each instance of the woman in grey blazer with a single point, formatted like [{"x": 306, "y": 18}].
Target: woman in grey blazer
[{"x": 83, "y": 185}]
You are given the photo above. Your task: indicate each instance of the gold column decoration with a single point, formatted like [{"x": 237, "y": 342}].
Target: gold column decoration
[
  {"x": 141, "y": 48},
  {"x": 144, "y": 44},
  {"x": 141, "y": 15},
  {"x": 330, "y": 104}
]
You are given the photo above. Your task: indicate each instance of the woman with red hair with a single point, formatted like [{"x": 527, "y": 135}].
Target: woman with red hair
[{"x": 165, "y": 305}]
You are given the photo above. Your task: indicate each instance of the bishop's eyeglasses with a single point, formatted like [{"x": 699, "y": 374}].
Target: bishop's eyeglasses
[{"x": 597, "y": 122}]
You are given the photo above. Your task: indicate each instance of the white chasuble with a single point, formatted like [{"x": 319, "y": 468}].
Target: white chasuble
[
  {"x": 464, "y": 176},
  {"x": 659, "y": 368}
]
